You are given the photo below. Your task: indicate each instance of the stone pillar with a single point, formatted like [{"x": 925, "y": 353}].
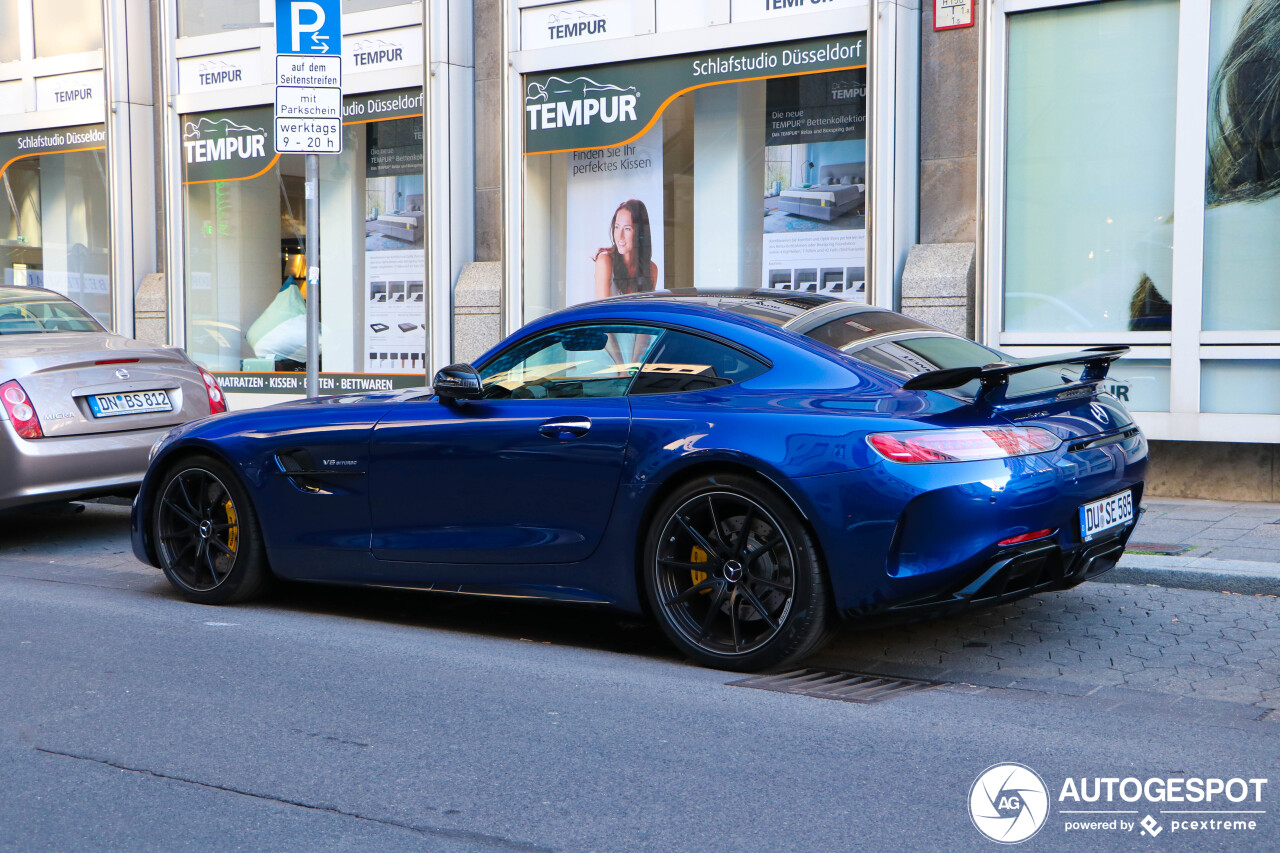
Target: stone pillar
[
  {"x": 937, "y": 286},
  {"x": 476, "y": 318},
  {"x": 938, "y": 280}
]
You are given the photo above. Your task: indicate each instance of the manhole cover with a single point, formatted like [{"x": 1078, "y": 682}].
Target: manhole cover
[{"x": 829, "y": 684}]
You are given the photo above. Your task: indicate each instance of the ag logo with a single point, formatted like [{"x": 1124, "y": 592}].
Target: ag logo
[{"x": 1008, "y": 803}]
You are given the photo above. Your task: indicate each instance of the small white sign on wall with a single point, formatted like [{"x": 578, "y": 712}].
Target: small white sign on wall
[
  {"x": 952, "y": 14},
  {"x": 383, "y": 49},
  {"x": 220, "y": 71},
  {"x": 84, "y": 88},
  {"x": 575, "y": 23}
]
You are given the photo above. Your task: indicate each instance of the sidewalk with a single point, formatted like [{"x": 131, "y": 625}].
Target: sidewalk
[{"x": 1212, "y": 545}]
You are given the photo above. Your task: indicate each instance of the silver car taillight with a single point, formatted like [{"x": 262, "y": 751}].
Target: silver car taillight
[
  {"x": 22, "y": 412},
  {"x": 217, "y": 400}
]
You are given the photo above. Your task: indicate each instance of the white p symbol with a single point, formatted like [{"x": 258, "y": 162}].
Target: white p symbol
[{"x": 297, "y": 27}]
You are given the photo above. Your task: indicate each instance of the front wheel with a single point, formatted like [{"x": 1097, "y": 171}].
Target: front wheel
[
  {"x": 733, "y": 576},
  {"x": 207, "y": 538}
]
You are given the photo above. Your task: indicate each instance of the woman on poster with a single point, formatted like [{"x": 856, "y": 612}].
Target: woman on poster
[{"x": 626, "y": 266}]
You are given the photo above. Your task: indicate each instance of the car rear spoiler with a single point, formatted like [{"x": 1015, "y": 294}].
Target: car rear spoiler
[{"x": 995, "y": 377}]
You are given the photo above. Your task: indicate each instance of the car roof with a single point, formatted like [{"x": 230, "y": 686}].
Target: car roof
[
  {"x": 16, "y": 292},
  {"x": 775, "y": 307}
]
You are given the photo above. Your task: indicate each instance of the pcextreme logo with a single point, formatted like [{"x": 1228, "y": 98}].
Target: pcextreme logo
[{"x": 577, "y": 102}]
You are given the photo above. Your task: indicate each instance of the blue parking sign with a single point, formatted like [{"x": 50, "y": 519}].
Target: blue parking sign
[{"x": 309, "y": 27}]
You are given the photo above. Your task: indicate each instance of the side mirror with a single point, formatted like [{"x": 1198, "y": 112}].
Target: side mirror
[{"x": 458, "y": 382}]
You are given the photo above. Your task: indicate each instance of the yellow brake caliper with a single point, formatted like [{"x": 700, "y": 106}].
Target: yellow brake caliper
[
  {"x": 698, "y": 556},
  {"x": 233, "y": 532}
]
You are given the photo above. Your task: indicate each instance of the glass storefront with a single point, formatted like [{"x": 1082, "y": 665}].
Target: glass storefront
[
  {"x": 1093, "y": 250},
  {"x": 1242, "y": 193},
  {"x": 246, "y": 235},
  {"x": 743, "y": 168},
  {"x": 54, "y": 220},
  {"x": 1089, "y": 170}
]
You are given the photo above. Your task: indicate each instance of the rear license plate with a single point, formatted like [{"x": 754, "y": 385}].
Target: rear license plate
[
  {"x": 1105, "y": 514},
  {"x": 132, "y": 403}
]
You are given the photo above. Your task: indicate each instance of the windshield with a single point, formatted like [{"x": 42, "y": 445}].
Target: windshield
[{"x": 25, "y": 311}]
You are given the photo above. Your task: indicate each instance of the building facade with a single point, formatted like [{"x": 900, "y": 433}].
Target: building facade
[{"x": 1055, "y": 176}]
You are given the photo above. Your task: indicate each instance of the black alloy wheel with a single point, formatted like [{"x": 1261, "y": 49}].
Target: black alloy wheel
[
  {"x": 206, "y": 536},
  {"x": 733, "y": 575}
]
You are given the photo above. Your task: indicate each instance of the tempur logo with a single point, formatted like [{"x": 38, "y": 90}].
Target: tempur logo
[
  {"x": 217, "y": 72},
  {"x": 572, "y": 23},
  {"x": 578, "y": 102},
  {"x": 375, "y": 51},
  {"x": 212, "y": 141}
]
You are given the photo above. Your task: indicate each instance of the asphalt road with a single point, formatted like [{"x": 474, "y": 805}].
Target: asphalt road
[{"x": 329, "y": 719}]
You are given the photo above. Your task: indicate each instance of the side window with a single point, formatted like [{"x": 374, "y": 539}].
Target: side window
[
  {"x": 683, "y": 362},
  {"x": 575, "y": 361}
]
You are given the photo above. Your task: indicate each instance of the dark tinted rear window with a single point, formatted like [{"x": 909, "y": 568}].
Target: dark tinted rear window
[
  {"x": 683, "y": 362},
  {"x": 843, "y": 331},
  {"x": 939, "y": 352}
]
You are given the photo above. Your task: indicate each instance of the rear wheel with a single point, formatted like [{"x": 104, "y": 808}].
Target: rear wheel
[
  {"x": 733, "y": 576},
  {"x": 207, "y": 538}
]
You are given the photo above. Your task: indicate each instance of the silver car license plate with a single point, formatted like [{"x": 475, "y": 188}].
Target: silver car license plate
[
  {"x": 131, "y": 403},
  {"x": 1105, "y": 514}
]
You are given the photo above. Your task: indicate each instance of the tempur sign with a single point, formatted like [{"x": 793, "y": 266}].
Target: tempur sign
[
  {"x": 211, "y": 141},
  {"x": 578, "y": 102}
]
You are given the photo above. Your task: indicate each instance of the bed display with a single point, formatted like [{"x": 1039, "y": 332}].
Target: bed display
[
  {"x": 840, "y": 189},
  {"x": 403, "y": 224}
]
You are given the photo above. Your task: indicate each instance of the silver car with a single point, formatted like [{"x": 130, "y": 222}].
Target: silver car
[{"x": 81, "y": 407}]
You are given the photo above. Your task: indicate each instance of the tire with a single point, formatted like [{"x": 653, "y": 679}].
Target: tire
[
  {"x": 207, "y": 538},
  {"x": 733, "y": 601}
]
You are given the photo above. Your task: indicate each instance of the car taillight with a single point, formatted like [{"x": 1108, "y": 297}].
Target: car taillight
[
  {"x": 217, "y": 400},
  {"x": 962, "y": 445},
  {"x": 22, "y": 412}
]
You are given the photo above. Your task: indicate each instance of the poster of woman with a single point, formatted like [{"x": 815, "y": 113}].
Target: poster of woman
[
  {"x": 614, "y": 219},
  {"x": 627, "y": 266}
]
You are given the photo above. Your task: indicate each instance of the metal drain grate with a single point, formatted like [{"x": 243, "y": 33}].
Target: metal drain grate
[{"x": 829, "y": 684}]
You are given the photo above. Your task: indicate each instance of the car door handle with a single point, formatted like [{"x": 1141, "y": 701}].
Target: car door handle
[{"x": 570, "y": 427}]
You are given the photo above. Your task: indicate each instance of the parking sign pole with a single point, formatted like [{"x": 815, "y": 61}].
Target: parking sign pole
[
  {"x": 308, "y": 121},
  {"x": 313, "y": 275}
]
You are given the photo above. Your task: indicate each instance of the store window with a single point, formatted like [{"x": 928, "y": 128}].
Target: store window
[
  {"x": 744, "y": 168},
  {"x": 9, "y": 45},
  {"x": 1240, "y": 386},
  {"x": 67, "y": 26},
  {"x": 246, "y": 237},
  {"x": 54, "y": 222},
  {"x": 202, "y": 18},
  {"x": 1141, "y": 384},
  {"x": 1089, "y": 171},
  {"x": 1242, "y": 195}
]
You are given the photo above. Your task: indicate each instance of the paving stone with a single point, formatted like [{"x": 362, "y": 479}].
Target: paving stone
[{"x": 1114, "y": 636}]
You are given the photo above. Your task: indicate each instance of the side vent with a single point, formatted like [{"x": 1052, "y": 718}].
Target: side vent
[{"x": 297, "y": 465}]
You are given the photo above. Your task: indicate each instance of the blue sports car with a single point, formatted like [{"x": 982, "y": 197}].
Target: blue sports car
[{"x": 750, "y": 468}]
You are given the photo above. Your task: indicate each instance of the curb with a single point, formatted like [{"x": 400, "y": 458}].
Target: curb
[{"x": 1239, "y": 576}]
